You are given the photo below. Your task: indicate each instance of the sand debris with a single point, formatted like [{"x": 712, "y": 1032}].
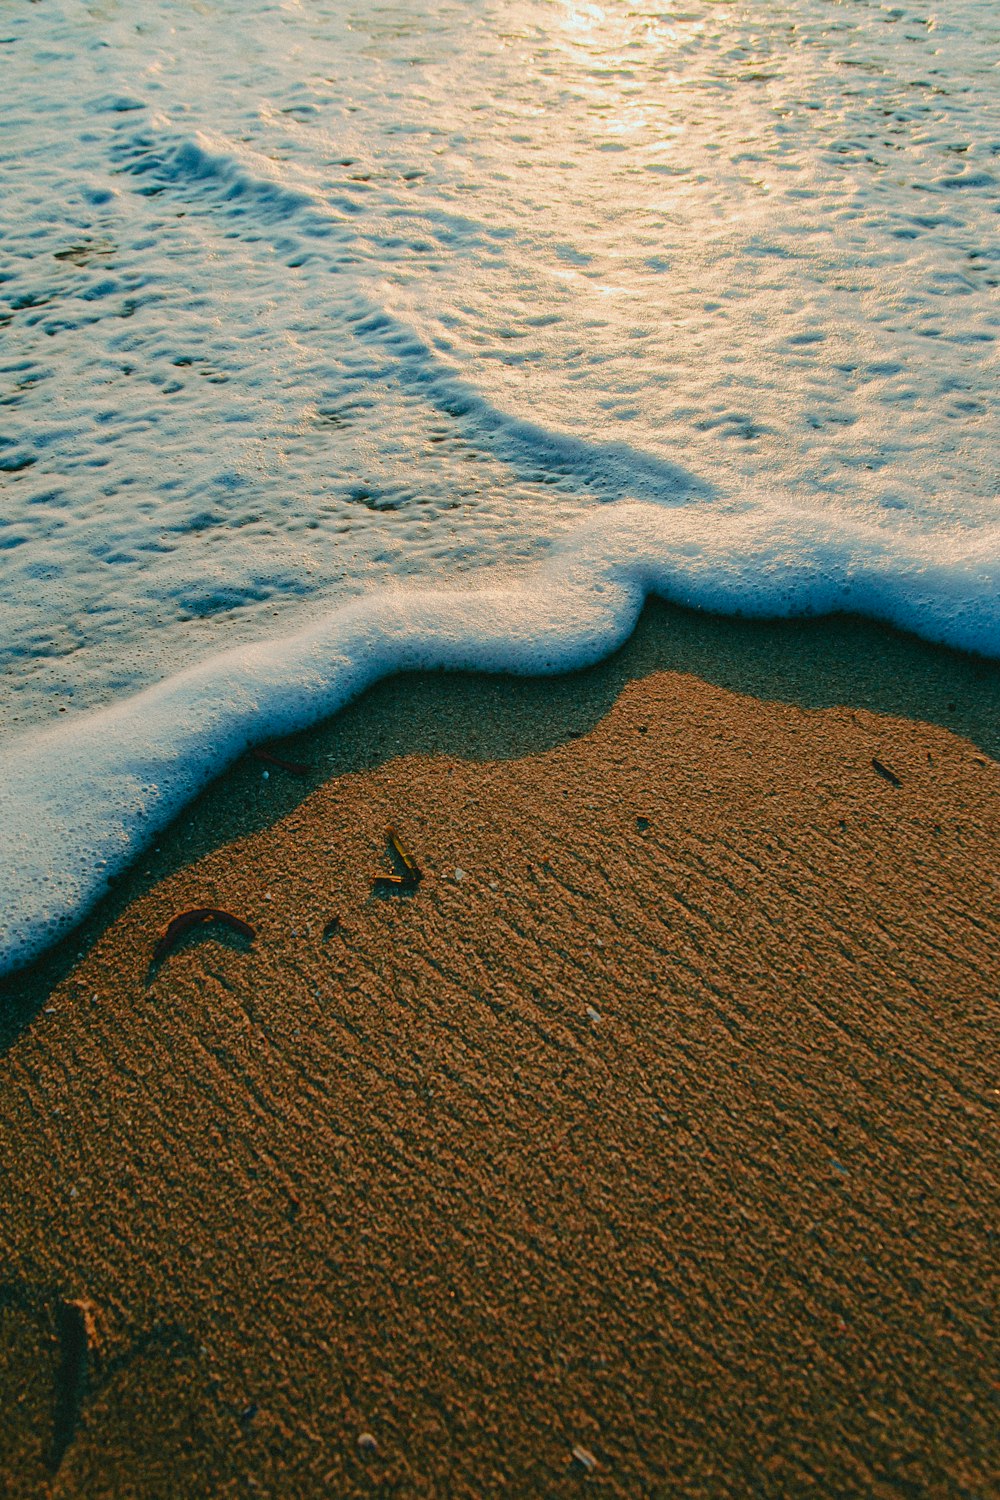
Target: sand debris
[
  {"x": 79, "y": 1347},
  {"x": 199, "y": 916},
  {"x": 295, "y": 767},
  {"x": 885, "y": 773},
  {"x": 412, "y": 873},
  {"x": 585, "y": 1459}
]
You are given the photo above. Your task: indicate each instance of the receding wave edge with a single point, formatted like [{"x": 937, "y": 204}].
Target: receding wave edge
[{"x": 81, "y": 799}]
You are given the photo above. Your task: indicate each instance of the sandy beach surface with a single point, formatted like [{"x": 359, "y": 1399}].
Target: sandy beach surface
[{"x": 645, "y": 1146}]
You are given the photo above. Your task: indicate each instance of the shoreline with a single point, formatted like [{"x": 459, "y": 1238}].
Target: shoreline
[
  {"x": 80, "y": 799},
  {"x": 645, "y": 1145},
  {"x": 814, "y": 663}
]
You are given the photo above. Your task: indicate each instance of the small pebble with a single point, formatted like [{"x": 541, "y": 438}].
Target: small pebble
[
  {"x": 459, "y": 874},
  {"x": 367, "y": 1443},
  {"x": 265, "y": 775}
]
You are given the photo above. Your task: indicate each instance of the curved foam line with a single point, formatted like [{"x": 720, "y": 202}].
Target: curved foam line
[
  {"x": 80, "y": 800},
  {"x": 231, "y": 179},
  {"x": 198, "y": 162}
]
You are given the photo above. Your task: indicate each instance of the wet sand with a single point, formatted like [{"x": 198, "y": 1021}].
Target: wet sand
[{"x": 643, "y": 1147}]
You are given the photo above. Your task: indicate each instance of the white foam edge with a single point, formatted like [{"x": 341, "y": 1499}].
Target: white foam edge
[{"x": 81, "y": 799}]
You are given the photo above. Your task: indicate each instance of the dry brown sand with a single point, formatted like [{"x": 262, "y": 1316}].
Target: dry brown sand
[{"x": 643, "y": 1149}]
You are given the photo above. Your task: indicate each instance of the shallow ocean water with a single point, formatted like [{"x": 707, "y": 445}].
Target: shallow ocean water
[{"x": 342, "y": 336}]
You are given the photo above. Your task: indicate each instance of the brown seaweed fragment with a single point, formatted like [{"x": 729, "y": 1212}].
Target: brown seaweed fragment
[
  {"x": 296, "y": 767},
  {"x": 413, "y": 870},
  {"x": 78, "y": 1348},
  {"x": 406, "y": 882},
  {"x": 199, "y": 916},
  {"x": 885, "y": 773}
]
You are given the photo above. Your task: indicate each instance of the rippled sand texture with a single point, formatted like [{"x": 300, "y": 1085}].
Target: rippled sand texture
[
  {"x": 282, "y": 287},
  {"x": 643, "y": 1148}
]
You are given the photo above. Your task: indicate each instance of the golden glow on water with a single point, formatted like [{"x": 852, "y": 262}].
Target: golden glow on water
[
  {"x": 414, "y": 289},
  {"x": 689, "y": 218},
  {"x": 724, "y": 234}
]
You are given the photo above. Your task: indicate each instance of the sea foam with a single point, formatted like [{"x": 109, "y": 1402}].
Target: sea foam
[
  {"x": 80, "y": 800},
  {"x": 317, "y": 367}
]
